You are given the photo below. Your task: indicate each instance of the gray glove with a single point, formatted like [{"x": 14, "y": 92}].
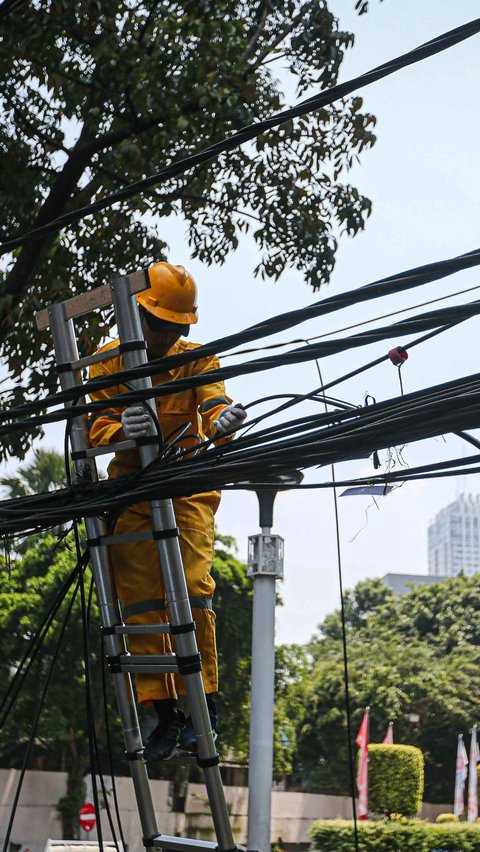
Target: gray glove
[
  {"x": 230, "y": 419},
  {"x": 136, "y": 422}
]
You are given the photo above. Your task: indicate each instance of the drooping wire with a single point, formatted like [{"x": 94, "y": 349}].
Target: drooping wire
[
  {"x": 438, "y": 320},
  {"x": 109, "y": 744},
  {"x": 344, "y": 642}
]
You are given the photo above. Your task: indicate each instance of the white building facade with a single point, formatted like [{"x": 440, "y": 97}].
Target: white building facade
[{"x": 453, "y": 539}]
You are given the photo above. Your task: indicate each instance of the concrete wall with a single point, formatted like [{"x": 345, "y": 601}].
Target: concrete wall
[{"x": 36, "y": 819}]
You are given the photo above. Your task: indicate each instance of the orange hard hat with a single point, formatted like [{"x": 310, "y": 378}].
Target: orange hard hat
[{"x": 172, "y": 295}]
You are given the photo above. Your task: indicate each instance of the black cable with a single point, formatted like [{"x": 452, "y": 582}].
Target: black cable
[
  {"x": 89, "y": 714},
  {"x": 328, "y": 96},
  {"x": 440, "y": 320},
  {"x": 109, "y": 743},
  {"x": 368, "y": 366},
  {"x": 96, "y": 750},
  {"x": 316, "y": 439},
  {"x": 344, "y": 642},
  {"x": 346, "y": 678}
]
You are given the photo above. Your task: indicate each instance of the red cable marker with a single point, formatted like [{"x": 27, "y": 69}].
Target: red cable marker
[
  {"x": 398, "y": 355},
  {"x": 87, "y": 817}
]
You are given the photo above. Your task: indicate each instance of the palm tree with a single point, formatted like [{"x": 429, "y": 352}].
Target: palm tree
[{"x": 46, "y": 472}]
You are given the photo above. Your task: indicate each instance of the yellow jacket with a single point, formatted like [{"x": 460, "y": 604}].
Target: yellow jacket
[{"x": 196, "y": 407}]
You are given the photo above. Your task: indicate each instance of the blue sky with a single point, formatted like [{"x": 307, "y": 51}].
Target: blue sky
[{"x": 423, "y": 179}]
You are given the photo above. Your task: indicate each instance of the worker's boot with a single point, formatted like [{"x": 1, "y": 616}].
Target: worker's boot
[
  {"x": 188, "y": 738},
  {"x": 163, "y": 741}
]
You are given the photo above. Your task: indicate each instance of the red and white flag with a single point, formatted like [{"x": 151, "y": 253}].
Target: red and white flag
[
  {"x": 461, "y": 772},
  {"x": 472, "y": 806},
  {"x": 362, "y": 770},
  {"x": 388, "y": 738}
]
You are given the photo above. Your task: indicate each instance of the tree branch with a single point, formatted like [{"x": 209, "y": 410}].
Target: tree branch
[
  {"x": 254, "y": 39},
  {"x": 276, "y": 41}
]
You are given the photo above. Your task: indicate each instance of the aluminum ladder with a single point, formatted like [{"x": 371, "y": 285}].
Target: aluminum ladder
[{"x": 186, "y": 660}]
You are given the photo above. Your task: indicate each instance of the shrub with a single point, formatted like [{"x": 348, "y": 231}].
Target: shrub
[
  {"x": 330, "y": 835},
  {"x": 395, "y": 778},
  {"x": 447, "y": 818}
]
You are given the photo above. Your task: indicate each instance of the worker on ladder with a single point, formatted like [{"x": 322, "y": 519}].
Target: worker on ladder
[{"x": 167, "y": 310}]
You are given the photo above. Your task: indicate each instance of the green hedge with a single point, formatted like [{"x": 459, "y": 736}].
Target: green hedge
[
  {"x": 335, "y": 835},
  {"x": 395, "y": 779}
]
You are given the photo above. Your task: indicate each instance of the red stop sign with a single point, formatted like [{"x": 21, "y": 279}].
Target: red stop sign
[{"x": 87, "y": 817}]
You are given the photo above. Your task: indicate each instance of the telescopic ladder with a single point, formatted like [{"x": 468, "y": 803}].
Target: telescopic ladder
[{"x": 186, "y": 659}]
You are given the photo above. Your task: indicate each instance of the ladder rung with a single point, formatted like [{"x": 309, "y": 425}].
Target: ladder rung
[
  {"x": 142, "y": 628},
  {"x": 187, "y": 844},
  {"x": 148, "y": 663},
  {"x": 126, "y": 537},
  {"x": 91, "y": 452},
  {"x": 96, "y": 358}
]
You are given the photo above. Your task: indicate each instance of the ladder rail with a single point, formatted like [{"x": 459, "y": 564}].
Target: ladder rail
[
  {"x": 66, "y": 349},
  {"x": 179, "y": 610}
]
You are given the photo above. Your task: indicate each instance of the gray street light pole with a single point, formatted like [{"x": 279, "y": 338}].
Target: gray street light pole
[{"x": 265, "y": 566}]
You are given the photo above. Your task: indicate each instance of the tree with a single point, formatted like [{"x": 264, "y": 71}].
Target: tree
[
  {"x": 413, "y": 659},
  {"x": 96, "y": 95},
  {"x": 45, "y": 472}
]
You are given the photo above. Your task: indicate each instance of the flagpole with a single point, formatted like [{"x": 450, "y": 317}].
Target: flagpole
[
  {"x": 362, "y": 769},
  {"x": 388, "y": 738},
  {"x": 472, "y": 800},
  {"x": 461, "y": 771}
]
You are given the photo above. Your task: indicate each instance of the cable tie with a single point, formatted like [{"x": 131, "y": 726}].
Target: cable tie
[
  {"x": 398, "y": 355},
  {"x": 132, "y": 346},
  {"x": 158, "y": 535},
  {"x": 207, "y": 762},
  {"x": 76, "y": 455},
  {"x": 176, "y": 629},
  {"x": 148, "y": 440},
  {"x": 93, "y": 542},
  {"x": 114, "y": 663},
  {"x": 189, "y": 665},
  {"x": 134, "y": 755},
  {"x": 111, "y": 629},
  {"x": 64, "y": 367}
]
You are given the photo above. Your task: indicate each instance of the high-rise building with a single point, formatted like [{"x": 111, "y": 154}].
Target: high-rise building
[{"x": 454, "y": 538}]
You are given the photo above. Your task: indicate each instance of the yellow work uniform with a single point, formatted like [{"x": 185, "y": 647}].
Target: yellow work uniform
[{"x": 136, "y": 565}]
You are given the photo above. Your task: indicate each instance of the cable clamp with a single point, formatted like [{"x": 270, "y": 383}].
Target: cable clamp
[
  {"x": 189, "y": 665},
  {"x": 398, "y": 355},
  {"x": 176, "y": 629},
  {"x": 158, "y": 535},
  {"x": 132, "y": 346},
  {"x": 207, "y": 762}
]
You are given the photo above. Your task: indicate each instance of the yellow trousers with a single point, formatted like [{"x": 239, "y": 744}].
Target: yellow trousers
[{"x": 139, "y": 584}]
